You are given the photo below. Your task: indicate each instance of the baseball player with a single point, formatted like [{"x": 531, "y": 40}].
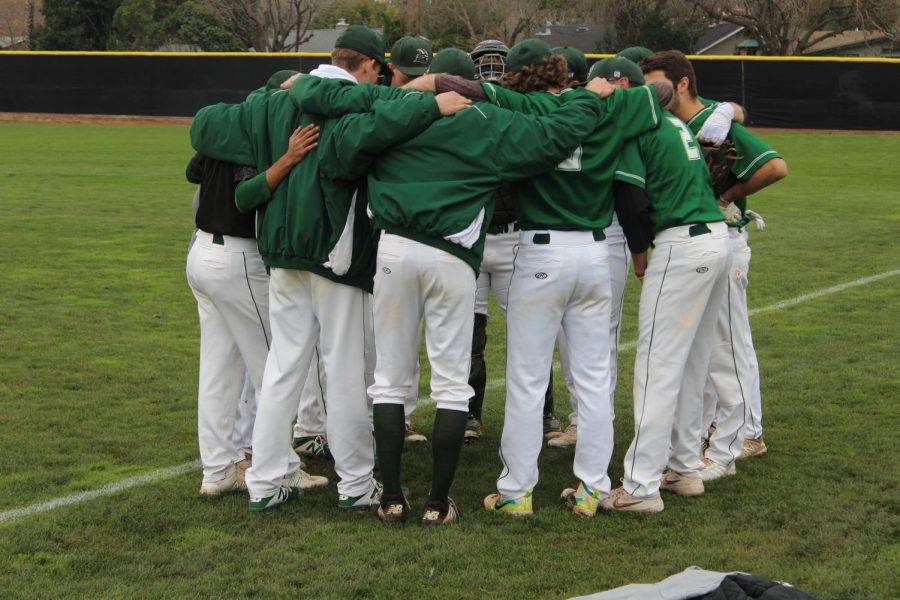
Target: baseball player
[
  {"x": 561, "y": 273},
  {"x": 621, "y": 73},
  {"x": 316, "y": 238},
  {"x": 502, "y": 238},
  {"x": 663, "y": 195},
  {"x": 432, "y": 200},
  {"x": 733, "y": 369},
  {"x": 234, "y": 328}
]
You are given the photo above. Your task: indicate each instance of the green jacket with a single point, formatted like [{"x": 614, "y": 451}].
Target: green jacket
[
  {"x": 310, "y": 222},
  {"x": 436, "y": 184}
]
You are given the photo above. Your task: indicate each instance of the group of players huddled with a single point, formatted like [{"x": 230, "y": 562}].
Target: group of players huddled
[{"x": 337, "y": 214}]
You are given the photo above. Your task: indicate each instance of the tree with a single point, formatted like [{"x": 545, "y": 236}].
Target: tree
[
  {"x": 789, "y": 27},
  {"x": 196, "y": 24},
  {"x": 81, "y": 25},
  {"x": 134, "y": 26},
  {"x": 267, "y": 25},
  {"x": 365, "y": 12},
  {"x": 467, "y": 22},
  {"x": 657, "y": 24}
]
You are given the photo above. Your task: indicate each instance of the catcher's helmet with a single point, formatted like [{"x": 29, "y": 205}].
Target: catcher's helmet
[{"x": 489, "y": 57}]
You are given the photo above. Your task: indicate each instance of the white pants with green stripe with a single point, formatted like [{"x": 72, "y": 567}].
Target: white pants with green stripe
[
  {"x": 229, "y": 281},
  {"x": 306, "y": 309},
  {"x": 560, "y": 281},
  {"x": 680, "y": 302},
  {"x": 733, "y": 368}
]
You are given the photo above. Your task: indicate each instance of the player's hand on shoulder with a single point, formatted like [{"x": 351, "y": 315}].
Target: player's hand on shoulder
[
  {"x": 287, "y": 83},
  {"x": 600, "y": 86},
  {"x": 302, "y": 141},
  {"x": 450, "y": 103}
]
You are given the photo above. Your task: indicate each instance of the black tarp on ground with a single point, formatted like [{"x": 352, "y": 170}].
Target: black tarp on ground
[{"x": 838, "y": 94}]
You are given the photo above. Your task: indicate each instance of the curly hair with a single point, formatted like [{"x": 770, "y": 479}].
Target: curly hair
[{"x": 552, "y": 72}]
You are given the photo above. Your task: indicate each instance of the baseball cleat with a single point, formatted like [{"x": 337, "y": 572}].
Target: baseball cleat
[
  {"x": 517, "y": 507},
  {"x": 267, "y": 503},
  {"x": 621, "y": 500},
  {"x": 713, "y": 470},
  {"x": 413, "y": 436},
  {"x": 393, "y": 510},
  {"x": 233, "y": 482},
  {"x": 568, "y": 438},
  {"x": 682, "y": 485},
  {"x": 365, "y": 501},
  {"x": 473, "y": 429},
  {"x": 440, "y": 513},
  {"x": 305, "y": 481},
  {"x": 313, "y": 446},
  {"x": 753, "y": 447},
  {"x": 581, "y": 500},
  {"x": 552, "y": 427}
]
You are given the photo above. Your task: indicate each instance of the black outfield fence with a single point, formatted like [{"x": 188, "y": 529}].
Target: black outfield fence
[{"x": 812, "y": 93}]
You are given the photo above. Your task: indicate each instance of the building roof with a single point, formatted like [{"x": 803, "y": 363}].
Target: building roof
[
  {"x": 846, "y": 39},
  {"x": 583, "y": 37},
  {"x": 322, "y": 40},
  {"x": 715, "y": 35}
]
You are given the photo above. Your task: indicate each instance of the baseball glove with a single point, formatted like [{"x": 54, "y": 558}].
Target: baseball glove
[{"x": 720, "y": 159}]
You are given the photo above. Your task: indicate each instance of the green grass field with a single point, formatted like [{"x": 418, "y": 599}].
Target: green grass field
[{"x": 98, "y": 368}]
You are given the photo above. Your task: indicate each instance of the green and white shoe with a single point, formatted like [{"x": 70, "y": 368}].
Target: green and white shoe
[
  {"x": 269, "y": 502},
  {"x": 313, "y": 446},
  {"x": 582, "y": 500},
  {"x": 517, "y": 507},
  {"x": 370, "y": 499}
]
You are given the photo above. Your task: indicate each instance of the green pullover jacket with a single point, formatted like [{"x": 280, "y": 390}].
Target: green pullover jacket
[
  {"x": 310, "y": 222},
  {"x": 435, "y": 185}
]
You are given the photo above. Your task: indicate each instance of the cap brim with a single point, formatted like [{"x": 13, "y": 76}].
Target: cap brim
[{"x": 413, "y": 71}]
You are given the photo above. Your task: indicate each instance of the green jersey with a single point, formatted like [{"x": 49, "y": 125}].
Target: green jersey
[
  {"x": 435, "y": 185},
  {"x": 753, "y": 153},
  {"x": 668, "y": 165},
  {"x": 577, "y": 195}
]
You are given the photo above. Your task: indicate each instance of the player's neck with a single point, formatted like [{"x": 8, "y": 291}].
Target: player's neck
[{"x": 687, "y": 108}]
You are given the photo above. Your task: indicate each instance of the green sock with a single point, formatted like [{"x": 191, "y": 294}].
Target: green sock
[
  {"x": 389, "y": 432},
  {"x": 446, "y": 442}
]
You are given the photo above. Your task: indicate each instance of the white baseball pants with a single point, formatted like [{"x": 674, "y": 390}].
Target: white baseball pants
[
  {"x": 733, "y": 368},
  {"x": 680, "y": 301},
  {"x": 230, "y": 284},
  {"x": 306, "y": 309},
  {"x": 311, "y": 411},
  {"x": 496, "y": 270},
  {"x": 619, "y": 259},
  {"x": 246, "y": 414},
  {"x": 412, "y": 281},
  {"x": 560, "y": 281}
]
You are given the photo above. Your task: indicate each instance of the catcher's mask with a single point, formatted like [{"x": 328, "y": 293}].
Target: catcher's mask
[{"x": 490, "y": 60}]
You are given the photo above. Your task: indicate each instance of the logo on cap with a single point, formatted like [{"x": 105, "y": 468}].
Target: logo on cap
[
  {"x": 421, "y": 56},
  {"x": 617, "y": 74}
]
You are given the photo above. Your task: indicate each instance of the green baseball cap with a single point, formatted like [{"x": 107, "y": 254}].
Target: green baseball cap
[
  {"x": 363, "y": 40},
  {"x": 278, "y": 78},
  {"x": 616, "y": 68},
  {"x": 526, "y": 53},
  {"x": 578, "y": 68},
  {"x": 411, "y": 54},
  {"x": 454, "y": 62},
  {"x": 635, "y": 53}
]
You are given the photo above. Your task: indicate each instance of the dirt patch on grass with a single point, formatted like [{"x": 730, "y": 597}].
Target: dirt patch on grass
[{"x": 69, "y": 119}]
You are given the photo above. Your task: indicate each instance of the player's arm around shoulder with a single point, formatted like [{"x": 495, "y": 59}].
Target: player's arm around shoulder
[
  {"x": 637, "y": 110},
  {"x": 337, "y": 97},
  {"x": 533, "y": 144},
  {"x": 227, "y": 131}
]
